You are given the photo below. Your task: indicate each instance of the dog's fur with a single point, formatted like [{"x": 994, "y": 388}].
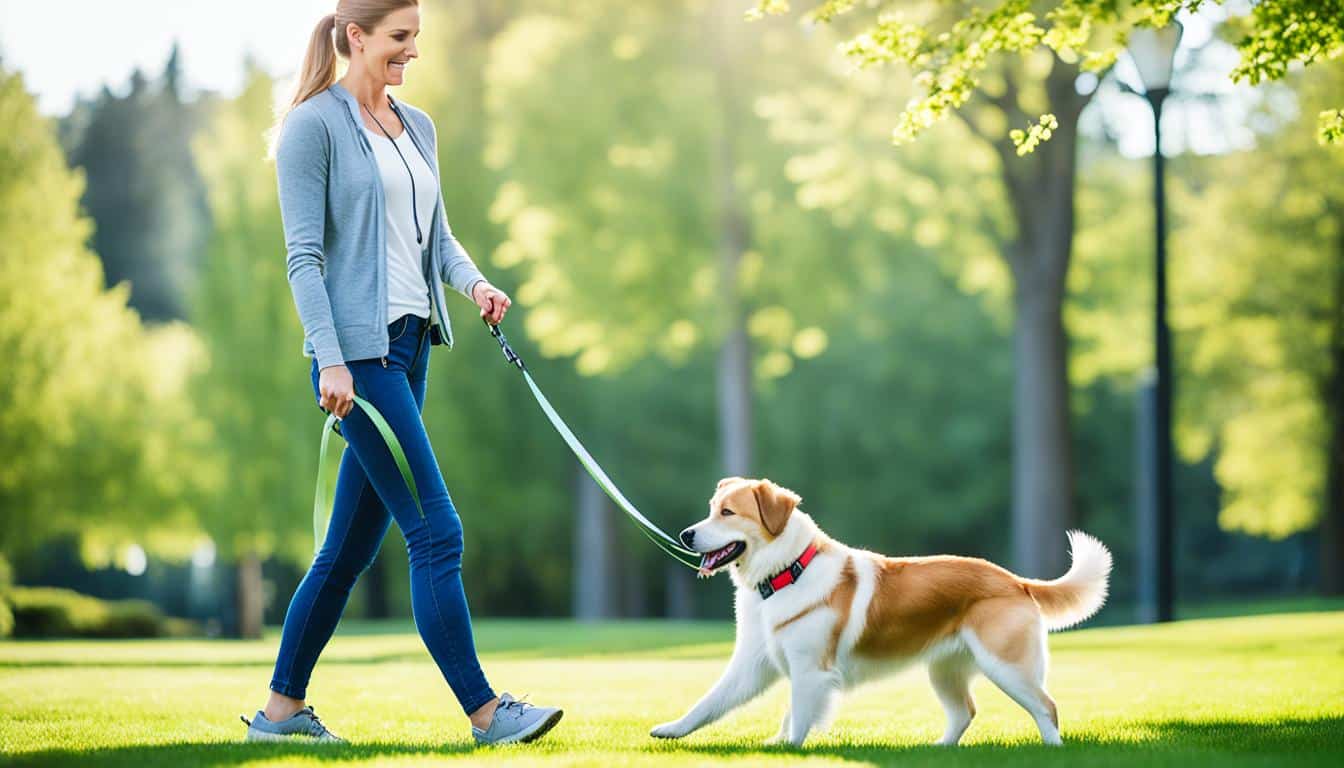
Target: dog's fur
[{"x": 855, "y": 614}]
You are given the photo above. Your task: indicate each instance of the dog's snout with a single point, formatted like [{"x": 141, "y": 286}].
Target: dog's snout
[{"x": 688, "y": 537}]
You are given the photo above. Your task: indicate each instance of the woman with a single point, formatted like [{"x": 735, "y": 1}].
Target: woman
[{"x": 368, "y": 247}]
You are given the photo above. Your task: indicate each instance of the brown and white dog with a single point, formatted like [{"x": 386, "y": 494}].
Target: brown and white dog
[{"x": 848, "y": 615}]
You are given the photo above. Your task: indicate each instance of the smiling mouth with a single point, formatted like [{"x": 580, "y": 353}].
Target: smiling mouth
[{"x": 712, "y": 561}]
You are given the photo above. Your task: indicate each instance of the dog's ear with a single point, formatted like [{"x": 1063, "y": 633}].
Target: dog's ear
[
  {"x": 776, "y": 505},
  {"x": 726, "y": 481}
]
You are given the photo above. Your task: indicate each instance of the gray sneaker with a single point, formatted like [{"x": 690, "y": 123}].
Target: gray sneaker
[
  {"x": 517, "y": 721},
  {"x": 300, "y": 726}
]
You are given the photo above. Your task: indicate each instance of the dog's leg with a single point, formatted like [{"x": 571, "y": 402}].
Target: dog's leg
[
  {"x": 812, "y": 697},
  {"x": 749, "y": 672},
  {"x": 783, "y": 733},
  {"x": 951, "y": 679},
  {"x": 1022, "y": 678}
]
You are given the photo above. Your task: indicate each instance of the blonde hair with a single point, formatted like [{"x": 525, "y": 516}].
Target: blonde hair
[{"x": 318, "y": 71}]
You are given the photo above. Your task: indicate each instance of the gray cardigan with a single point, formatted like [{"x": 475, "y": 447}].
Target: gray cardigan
[{"x": 332, "y": 206}]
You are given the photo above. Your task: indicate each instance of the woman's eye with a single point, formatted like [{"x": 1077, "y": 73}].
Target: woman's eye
[{"x": 726, "y": 512}]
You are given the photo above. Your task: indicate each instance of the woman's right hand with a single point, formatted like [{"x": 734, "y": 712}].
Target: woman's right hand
[{"x": 337, "y": 389}]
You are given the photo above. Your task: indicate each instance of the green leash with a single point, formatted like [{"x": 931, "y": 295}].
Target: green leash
[
  {"x": 653, "y": 533},
  {"x": 320, "y": 506}
]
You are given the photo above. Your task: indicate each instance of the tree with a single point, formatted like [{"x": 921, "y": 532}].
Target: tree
[
  {"x": 143, "y": 189},
  {"x": 256, "y": 390},
  {"x": 1262, "y": 312},
  {"x": 97, "y": 434},
  {"x": 951, "y": 47},
  {"x": 951, "y": 52},
  {"x": 631, "y": 219}
]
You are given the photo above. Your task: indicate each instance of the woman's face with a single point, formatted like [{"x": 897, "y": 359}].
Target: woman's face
[{"x": 391, "y": 46}]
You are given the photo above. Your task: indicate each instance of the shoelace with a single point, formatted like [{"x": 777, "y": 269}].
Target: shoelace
[
  {"x": 315, "y": 725},
  {"x": 507, "y": 703}
]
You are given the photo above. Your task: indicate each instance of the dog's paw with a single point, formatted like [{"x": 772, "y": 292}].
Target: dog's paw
[{"x": 672, "y": 730}]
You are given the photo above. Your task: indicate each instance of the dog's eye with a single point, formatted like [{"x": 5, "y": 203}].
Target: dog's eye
[{"x": 726, "y": 512}]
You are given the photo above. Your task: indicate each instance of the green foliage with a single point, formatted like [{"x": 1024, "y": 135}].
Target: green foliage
[
  {"x": 1259, "y": 306},
  {"x": 1330, "y": 126},
  {"x": 254, "y": 395},
  {"x": 57, "y": 612},
  {"x": 1254, "y": 273},
  {"x": 949, "y": 44},
  {"x": 618, "y": 246},
  {"x": 1288, "y": 32},
  {"x": 1026, "y": 141},
  {"x": 94, "y": 428}
]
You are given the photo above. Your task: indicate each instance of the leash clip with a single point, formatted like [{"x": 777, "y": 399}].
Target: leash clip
[{"x": 509, "y": 354}]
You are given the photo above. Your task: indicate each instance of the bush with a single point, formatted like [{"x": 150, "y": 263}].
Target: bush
[
  {"x": 6, "y": 619},
  {"x": 6, "y": 615},
  {"x": 56, "y": 612}
]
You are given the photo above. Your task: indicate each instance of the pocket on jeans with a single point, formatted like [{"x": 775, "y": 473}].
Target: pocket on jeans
[{"x": 398, "y": 327}]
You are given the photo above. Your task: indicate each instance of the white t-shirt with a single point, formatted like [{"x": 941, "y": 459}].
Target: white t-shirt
[{"x": 407, "y": 290}]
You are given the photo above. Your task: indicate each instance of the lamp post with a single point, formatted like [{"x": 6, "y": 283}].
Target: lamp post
[{"x": 1153, "y": 52}]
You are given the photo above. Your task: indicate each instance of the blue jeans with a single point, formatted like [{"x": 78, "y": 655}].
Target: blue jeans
[{"x": 370, "y": 492}]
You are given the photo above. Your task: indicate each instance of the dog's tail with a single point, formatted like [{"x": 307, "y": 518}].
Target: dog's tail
[{"x": 1078, "y": 594}]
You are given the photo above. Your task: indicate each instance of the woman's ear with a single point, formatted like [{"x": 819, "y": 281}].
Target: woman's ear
[{"x": 776, "y": 505}]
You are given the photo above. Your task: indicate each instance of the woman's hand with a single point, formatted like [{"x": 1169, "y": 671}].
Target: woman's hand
[
  {"x": 337, "y": 390},
  {"x": 492, "y": 301}
]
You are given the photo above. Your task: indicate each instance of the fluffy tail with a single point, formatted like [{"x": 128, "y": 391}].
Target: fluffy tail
[{"x": 1079, "y": 593}]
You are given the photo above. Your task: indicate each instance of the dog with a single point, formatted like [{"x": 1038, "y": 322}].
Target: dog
[{"x": 829, "y": 616}]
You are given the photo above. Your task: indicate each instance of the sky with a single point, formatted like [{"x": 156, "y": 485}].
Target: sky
[
  {"x": 74, "y": 47},
  {"x": 96, "y": 42}
]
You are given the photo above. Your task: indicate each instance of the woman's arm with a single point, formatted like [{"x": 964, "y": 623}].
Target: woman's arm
[
  {"x": 459, "y": 271},
  {"x": 301, "y": 162}
]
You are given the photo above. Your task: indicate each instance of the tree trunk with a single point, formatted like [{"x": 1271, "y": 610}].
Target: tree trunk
[
  {"x": 1332, "y": 512},
  {"x": 250, "y": 597},
  {"x": 1041, "y": 189},
  {"x": 1042, "y": 462},
  {"x": 595, "y": 549},
  {"x": 733, "y": 375}
]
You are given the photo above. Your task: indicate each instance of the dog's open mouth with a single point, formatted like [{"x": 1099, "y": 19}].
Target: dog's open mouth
[{"x": 712, "y": 561}]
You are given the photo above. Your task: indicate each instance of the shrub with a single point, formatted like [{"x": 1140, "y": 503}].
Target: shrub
[
  {"x": 6, "y": 618},
  {"x": 56, "y": 612},
  {"x": 6, "y": 615}
]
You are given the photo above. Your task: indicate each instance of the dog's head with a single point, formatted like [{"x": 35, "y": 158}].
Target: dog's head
[{"x": 744, "y": 515}]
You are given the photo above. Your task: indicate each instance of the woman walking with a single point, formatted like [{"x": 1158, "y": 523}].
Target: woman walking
[{"x": 368, "y": 249}]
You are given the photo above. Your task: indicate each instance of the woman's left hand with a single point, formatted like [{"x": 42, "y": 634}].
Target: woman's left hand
[{"x": 492, "y": 301}]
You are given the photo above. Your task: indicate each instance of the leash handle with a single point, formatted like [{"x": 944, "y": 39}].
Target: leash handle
[
  {"x": 321, "y": 509},
  {"x": 509, "y": 354}
]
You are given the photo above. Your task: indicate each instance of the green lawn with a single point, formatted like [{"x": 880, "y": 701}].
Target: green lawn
[{"x": 1263, "y": 690}]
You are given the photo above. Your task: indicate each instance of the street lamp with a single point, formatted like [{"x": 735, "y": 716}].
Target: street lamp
[{"x": 1153, "y": 52}]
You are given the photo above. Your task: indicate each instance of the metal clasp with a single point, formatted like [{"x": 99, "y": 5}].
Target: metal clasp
[{"x": 509, "y": 354}]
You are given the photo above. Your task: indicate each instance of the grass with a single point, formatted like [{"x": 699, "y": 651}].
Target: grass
[{"x": 1253, "y": 691}]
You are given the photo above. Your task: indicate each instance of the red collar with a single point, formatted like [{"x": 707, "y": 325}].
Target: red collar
[{"x": 789, "y": 575}]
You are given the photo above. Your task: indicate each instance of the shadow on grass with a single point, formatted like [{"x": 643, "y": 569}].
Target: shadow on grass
[
  {"x": 1299, "y": 742},
  {"x": 235, "y": 753},
  {"x": 508, "y": 639}
]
